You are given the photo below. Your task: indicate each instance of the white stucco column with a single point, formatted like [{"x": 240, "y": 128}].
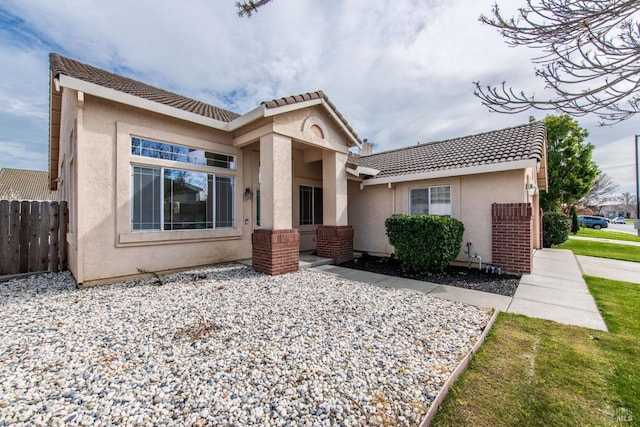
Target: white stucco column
[
  {"x": 334, "y": 188},
  {"x": 275, "y": 182}
]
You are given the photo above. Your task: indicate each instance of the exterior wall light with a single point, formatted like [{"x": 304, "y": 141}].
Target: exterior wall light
[
  {"x": 248, "y": 193},
  {"x": 531, "y": 189}
]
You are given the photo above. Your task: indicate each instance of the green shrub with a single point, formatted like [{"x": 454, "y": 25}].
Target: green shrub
[
  {"x": 555, "y": 228},
  {"x": 575, "y": 225},
  {"x": 424, "y": 243}
]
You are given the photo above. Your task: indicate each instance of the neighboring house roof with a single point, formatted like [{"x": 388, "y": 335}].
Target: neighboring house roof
[
  {"x": 520, "y": 143},
  {"x": 23, "y": 184},
  {"x": 91, "y": 74}
]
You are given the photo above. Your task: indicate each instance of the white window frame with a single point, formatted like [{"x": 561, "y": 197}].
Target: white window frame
[
  {"x": 162, "y": 208},
  {"x": 314, "y": 220},
  {"x": 429, "y": 199}
]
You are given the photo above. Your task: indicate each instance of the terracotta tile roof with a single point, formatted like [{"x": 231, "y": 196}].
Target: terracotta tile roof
[
  {"x": 23, "y": 184},
  {"x": 280, "y": 102},
  {"x": 91, "y": 74},
  {"x": 517, "y": 143}
]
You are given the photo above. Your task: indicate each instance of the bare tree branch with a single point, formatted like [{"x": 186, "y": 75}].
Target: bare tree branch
[
  {"x": 590, "y": 57},
  {"x": 602, "y": 188},
  {"x": 248, "y": 8}
]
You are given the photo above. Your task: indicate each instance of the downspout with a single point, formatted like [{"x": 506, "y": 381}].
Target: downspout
[{"x": 80, "y": 172}]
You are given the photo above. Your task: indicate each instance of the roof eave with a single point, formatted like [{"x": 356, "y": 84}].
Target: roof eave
[
  {"x": 443, "y": 173},
  {"x": 136, "y": 101}
]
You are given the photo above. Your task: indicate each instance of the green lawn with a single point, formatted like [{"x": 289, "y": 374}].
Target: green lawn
[
  {"x": 602, "y": 249},
  {"x": 539, "y": 373},
  {"x": 614, "y": 235}
]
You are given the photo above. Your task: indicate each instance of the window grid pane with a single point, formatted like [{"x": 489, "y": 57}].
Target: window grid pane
[
  {"x": 419, "y": 201},
  {"x": 224, "y": 202},
  {"x": 306, "y": 205},
  {"x": 178, "y": 153},
  {"x": 146, "y": 198}
]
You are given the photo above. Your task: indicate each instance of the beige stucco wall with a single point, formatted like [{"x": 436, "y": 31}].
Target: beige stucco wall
[
  {"x": 67, "y": 163},
  {"x": 472, "y": 197},
  {"x": 110, "y": 249}
]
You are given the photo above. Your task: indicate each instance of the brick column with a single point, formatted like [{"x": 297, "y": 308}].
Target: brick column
[
  {"x": 275, "y": 252},
  {"x": 335, "y": 241},
  {"x": 512, "y": 237}
]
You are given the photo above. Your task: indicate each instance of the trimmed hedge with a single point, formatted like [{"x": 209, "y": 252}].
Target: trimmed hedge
[
  {"x": 555, "y": 229},
  {"x": 424, "y": 243}
]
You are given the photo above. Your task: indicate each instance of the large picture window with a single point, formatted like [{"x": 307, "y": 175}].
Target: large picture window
[
  {"x": 430, "y": 200},
  {"x": 180, "y": 199},
  {"x": 310, "y": 205},
  {"x": 174, "y": 199}
]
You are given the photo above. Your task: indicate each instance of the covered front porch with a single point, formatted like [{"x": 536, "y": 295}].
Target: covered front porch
[{"x": 296, "y": 183}]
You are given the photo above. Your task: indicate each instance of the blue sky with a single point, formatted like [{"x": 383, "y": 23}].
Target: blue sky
[{"x": 400, "y": 71}]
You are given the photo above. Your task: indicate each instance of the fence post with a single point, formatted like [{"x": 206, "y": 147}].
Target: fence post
[
  {"x": 43, "y": 255},
  {"x": 13, "y": 261},
  {"x": 34, "y": 236},
  {"x": 54, "y": 222},
  {"x": 64, "y": 223},
  {"x": 23, "y": 241}
]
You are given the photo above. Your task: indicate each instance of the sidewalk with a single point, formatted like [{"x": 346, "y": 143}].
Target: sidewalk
[
  {"x": 554, "y": 290},
  {"x": 624, "y": 271}
]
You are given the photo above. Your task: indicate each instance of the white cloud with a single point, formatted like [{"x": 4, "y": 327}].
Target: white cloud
[{"x": 400, "y": 71}]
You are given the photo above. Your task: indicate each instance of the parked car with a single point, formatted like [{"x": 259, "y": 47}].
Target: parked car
[
  {"x": 595, "y": 222},
  {"x": 619, "y": 220}
]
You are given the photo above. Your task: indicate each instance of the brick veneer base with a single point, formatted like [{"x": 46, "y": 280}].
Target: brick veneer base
[
  {"x": 512, "y": 237},
  {"x": 275, "y": 252},
  {"x": 335, "y": 242}
]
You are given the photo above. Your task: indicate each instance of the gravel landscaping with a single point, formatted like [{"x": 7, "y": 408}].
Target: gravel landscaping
[
  {"x": 461, "y": 277},
  {"x": 225, "y": 346}
]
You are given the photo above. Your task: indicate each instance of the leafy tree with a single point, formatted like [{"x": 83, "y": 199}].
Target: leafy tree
[
  {"x": 602, "y": 188},
  {"x": 570, "y": 168},
  {"x": 575, "y": 225},
  {"x": 589, "y": 56}
]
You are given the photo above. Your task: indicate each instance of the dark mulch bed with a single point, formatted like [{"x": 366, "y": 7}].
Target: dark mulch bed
[{"x": 462, "y": 277}]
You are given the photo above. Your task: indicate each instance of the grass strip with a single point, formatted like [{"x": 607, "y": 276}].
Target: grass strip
[
  {"x": 602, "y": 249},
  {"x": 538, "y": 373},
  {"x": 613, "y": 235}
]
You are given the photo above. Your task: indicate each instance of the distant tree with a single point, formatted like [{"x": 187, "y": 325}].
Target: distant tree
[
  {"x": 575, "y": 225},
  {"x": 248, "y": 8},
  {"x": 570, "y": 169},
  {"x": 602, "y": 188},
  {"x": 628, "y": 199},
  {"x": 589, "y": 56}
]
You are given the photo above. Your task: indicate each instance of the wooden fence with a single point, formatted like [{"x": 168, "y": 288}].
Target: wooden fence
[{"x": 33, "y": 236}]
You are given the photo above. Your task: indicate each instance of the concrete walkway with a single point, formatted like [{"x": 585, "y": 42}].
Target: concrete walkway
[
  {"x": 554, "y": 290},
  {"x": 613, "y": 269}
]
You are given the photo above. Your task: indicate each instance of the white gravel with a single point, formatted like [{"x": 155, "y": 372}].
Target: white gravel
[{"x": 225, "y": 346}]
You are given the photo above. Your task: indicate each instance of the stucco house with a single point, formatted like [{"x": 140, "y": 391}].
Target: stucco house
[{"x": 158, "y": 181}]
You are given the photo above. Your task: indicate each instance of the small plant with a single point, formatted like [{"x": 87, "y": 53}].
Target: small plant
[
  {"x": 158, "y": 281},
  {"x": 199, "y": 328},
  {"x": 575, "y": 225},
  {"x": 555, "y": 229}
]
